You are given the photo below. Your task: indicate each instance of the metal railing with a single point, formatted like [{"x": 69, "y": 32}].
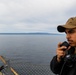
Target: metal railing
[{"x": 6, "y": 68}]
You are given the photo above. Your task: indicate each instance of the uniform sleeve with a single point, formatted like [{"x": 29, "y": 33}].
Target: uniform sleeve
[{"x": 56, "y": 66}]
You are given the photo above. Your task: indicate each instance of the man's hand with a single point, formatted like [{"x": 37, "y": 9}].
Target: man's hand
[{"x": 60, "y": 52}]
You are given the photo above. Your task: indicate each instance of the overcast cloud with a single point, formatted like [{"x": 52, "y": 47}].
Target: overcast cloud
[{"x": 34, "y": 15}]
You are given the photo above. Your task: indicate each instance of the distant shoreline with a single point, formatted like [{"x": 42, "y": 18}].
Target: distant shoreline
[{"x": 30, "y": 34}]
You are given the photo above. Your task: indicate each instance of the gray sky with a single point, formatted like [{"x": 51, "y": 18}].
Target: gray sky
[{"x": 34, "y": 15}]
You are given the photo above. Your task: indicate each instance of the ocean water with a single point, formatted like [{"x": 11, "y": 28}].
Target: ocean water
[{"x": 30, "y": 54}]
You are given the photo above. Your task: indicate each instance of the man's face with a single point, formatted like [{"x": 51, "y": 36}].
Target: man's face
[{"x": 71, "y": 36}]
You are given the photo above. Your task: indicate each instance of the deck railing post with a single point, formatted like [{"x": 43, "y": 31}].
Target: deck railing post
[{"x": 8, "y": 67}]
